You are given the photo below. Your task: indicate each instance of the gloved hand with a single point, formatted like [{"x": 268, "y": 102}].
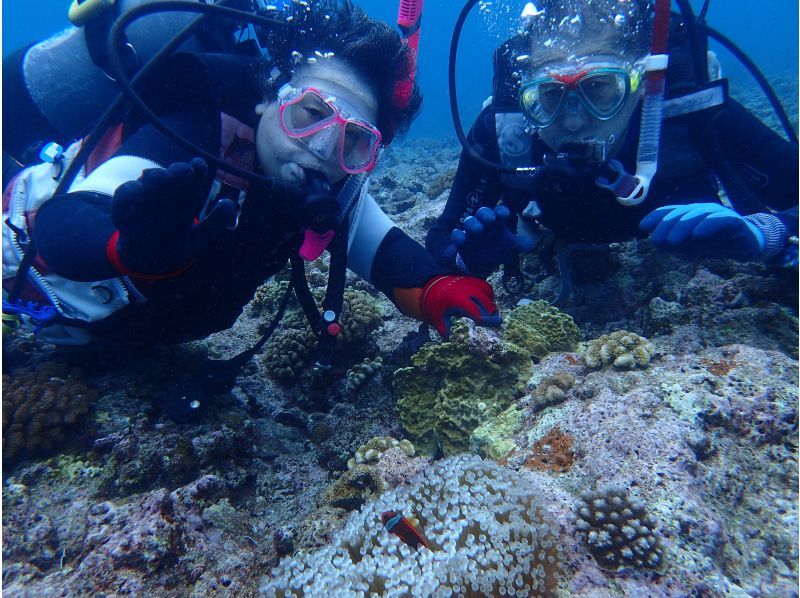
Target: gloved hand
[
  {"x": 486, "y": 241},
  {"x": 446, "y": 297},
  {"x": 155, "y": 218},
  {"x": 712, "y": 230}
]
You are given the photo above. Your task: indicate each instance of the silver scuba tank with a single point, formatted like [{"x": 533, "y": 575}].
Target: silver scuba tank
[{"x": 55, "y": 92}]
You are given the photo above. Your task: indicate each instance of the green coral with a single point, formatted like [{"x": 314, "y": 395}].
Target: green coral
[
  {"x": 495, "y": 438},
  {"x": 454, "y": 386},
  {"x": 621, "y": 349},
  {"x": 371, "y": 452},
  {"x": 458, "y": 385},
  {"x": 288, "y": 352},
  {"x": 539, "y": 328},
  {"x": 360, "y": 373},
  {"x": 361, "y": 316}
]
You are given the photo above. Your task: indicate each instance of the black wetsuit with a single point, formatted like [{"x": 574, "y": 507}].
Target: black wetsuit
[
  {"x": 755, "y": 163},
  {"x": 71, "y": 231}
]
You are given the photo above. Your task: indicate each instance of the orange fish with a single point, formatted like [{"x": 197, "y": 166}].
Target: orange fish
[{"x": 405, "y": 530}]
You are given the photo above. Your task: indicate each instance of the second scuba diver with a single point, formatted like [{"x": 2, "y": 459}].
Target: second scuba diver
[
  {"x": 566, "y": 111},
  {"x": 137, "y": 252}
]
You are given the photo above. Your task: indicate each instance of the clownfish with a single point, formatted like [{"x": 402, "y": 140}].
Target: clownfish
[{"x": 401, "y": 527}]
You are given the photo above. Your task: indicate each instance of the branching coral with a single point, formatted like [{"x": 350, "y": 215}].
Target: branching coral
[
  {"x": 40, "y": 406},
  {"x": 617, "y": 530},
  {"x": 621, "y": 349},
  {"x": 288, "y": 352},
  {"x": 488, "y": 532}
]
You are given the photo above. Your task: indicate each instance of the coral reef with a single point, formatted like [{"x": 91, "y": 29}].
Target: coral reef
[
  {"x": 359, "y": 374},
  {"x": 618, "y": 530},
  {"x": 621, "y": 349},
  {"x": 40, "y": 406},
  {"x": 354, "y": 487},
  {"x": 495, "y": 437},
  {"x": 488, "y": 531},
  {"x": 538, "y": 328},
  {"x": 288, "y": 352},
  {"x": 553, "y": 452},
  {"x": 361, "y": 317},
  {"x": 371, "y": 452},
  {"x": 455, "y": 386}
]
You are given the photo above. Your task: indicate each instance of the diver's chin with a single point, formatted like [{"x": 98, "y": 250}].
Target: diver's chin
[{"x": 292, "y": 174}]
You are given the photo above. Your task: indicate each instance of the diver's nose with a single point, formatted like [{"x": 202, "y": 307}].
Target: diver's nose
[
  {"x": 574, "y": 115},
  {"x": 324, "y": 143}
]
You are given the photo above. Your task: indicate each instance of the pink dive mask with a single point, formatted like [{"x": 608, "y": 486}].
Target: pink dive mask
[{"x": 326, "y": 126}]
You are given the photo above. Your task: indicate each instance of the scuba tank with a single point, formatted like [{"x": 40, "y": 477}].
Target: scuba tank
[{"x": 55, "y": 89}]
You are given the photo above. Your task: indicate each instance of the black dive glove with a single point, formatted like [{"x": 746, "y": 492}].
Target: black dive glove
[{"x": 155, "y": 218}]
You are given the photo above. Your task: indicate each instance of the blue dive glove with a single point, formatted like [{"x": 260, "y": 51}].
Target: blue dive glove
[
  {"x": 486, "y": 241},
  {"x": 712, "y": 230},
  {"x": 155, "y": 218}
]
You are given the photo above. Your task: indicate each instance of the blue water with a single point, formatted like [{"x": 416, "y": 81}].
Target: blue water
[{"x": 765, "y": 29}]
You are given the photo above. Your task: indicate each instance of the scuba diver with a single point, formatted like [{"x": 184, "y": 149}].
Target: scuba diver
[
  {"x": 149, "y": 243},
  {"x": 608, "y": 121}
]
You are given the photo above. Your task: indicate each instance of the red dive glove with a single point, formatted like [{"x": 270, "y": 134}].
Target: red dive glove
[{"x": 446, "y": 297}]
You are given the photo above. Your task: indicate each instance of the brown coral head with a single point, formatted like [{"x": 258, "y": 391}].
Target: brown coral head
[{"x": 553, "y": 452}]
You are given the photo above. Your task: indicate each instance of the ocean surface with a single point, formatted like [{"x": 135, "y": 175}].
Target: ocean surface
[{"x": 766, "y": 30}]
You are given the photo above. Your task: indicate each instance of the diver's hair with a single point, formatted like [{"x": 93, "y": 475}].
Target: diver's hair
[
  {"x": 569, "y": 26},
  {"x": 372, "y": 48}
]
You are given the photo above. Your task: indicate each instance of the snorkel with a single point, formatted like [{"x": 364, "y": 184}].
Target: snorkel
[
  {"x": 631, "y": 190},
  {"x": 409, "y": 20}
]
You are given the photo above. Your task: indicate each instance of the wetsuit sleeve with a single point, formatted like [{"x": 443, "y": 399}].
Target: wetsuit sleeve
[
  {"x": 388, "y": 258},
  {"x": 766, "y": 164},
  {"x": 469, "y": 191}
]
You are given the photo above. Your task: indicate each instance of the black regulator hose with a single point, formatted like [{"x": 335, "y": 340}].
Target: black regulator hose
[
  {"x": 451, "y": 79},
  {"x": 780, "y": 111},
  {"x": 114, "y": 38},
  {"x": 112, "y": 112}
]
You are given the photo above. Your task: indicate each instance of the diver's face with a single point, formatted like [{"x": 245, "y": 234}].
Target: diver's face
[
  {"x": 576, "y": 126},
  {"x": 584, "y": 102},
  {"x": 285, "y": 157}
]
